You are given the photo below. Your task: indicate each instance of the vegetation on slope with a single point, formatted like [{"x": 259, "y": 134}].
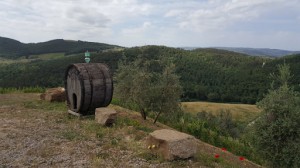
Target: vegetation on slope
[
  {"x": 12, "y": 49},
  {"x": 206, "y": 74},
  {"x": 260, "y": 51},
  {"x": 277, "y": 131}
]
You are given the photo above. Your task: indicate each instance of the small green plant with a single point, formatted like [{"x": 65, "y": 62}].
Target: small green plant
[
  {"x": 150, "y": 156},
  {"x": 71, "y": 135},
  {"x": 125, "y": 121},
  {"x": 144, "y": 128},
  {"x": 114, "y": 141},
  {"x": 208, "y": 160},
  {"x": 100, "y": 134}
]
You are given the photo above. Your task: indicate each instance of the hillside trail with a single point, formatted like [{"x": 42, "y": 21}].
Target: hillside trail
[{"x": 38, "y": 134}]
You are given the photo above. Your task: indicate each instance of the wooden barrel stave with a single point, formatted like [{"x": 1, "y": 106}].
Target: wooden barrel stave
[
  {"x": 86, "y": 89},
  {"x": 98, "y": 85},
  {"x": 108, "y": 82},
  {"x": 74, "y": 83}
]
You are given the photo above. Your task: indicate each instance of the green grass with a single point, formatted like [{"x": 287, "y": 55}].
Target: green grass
[
  {"x": 206, "y": 160},
  {"x": 22, "y": 90},
  {"x": 71, "y": 135},
  {"x": 44, "y": 57},
  {"x": 10, "y": 61},
  {"x": 121, "y": 122},
  {"x": 44, "y": 105},
  {"x": 47, "y": 56}
]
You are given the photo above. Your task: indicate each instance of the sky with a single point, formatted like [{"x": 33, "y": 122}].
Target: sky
[{"x": 175, "y": 23}]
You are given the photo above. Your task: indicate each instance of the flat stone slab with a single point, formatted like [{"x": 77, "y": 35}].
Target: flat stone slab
[
  {"x": 105, "y": 116},
  {"x": 172, "y": 144}
]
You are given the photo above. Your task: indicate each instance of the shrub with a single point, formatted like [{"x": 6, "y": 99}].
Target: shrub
[{"x": 277, "y": 132}]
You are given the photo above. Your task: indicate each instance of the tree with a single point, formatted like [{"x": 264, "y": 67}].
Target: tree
[
  {"x": 167, "y": 92},
  {"x": 149, "y": 85},
  {"x": 133, "y": 84},
  {"x": 277, "y": 131}
]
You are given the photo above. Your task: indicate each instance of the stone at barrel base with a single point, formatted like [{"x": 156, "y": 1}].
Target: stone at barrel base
[
  {"x": 105, "y": 116},
  {"x": 172, "y": 144},
  {"x": 54, "y": 94}
]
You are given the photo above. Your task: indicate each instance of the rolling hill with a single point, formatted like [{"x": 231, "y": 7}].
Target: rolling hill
[
  {"x": 13, "y": 49},
  {"x": 260, "y": 51},
  {"x": 264, "y": 52},
  {"x": 206, "y": 74}
]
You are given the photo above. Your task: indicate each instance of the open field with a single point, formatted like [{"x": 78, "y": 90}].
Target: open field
[
  {"x": 35, "y": 133},
  {"x": 240, "y": 112},
  {"x": 10, "y": 61},
  {"x": 48, "y": 56}
]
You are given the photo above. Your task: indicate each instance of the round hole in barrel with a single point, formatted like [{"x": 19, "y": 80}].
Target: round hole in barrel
[{"x": 88, "y": 86}]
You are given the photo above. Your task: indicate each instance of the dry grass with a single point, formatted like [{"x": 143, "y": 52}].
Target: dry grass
[{"x": 240, "y": 112}]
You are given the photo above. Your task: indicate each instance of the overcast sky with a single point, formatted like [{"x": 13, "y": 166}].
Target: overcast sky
[{"x": 177, "y": 23}]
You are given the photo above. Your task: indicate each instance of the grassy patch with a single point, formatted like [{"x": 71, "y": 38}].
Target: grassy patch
[
  {"x": 125, "y": 121},
  {"x": 71, "y": 135},
  {"x": 47, "y": 56},
  {"x": 44, "y": 105},
  {"x": 207, "y": 160},
  {"x": 151, "y": 157},
  {"x": 22, "y": 90},
  {"x": 240, "y": 112}
]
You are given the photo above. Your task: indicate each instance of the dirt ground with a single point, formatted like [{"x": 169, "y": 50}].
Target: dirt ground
[{"x": 37, "y": 134}]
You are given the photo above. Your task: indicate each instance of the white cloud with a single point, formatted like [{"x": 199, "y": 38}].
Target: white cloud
[
  {"x": 173, "y": 23},
  {"x": 219, "y": 14}
]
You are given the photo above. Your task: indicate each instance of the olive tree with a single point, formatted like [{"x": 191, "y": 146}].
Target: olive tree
[
  {"x": 149, "y": 85},
  {"x": 277, "y": 131}
]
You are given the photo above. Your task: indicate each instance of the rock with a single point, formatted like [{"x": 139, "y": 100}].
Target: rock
[
  {"x": 42, "y": 96},
  {"x": 54, "y": 94},
  {"x": 172, "y": 144},
  {"x": 105, "y": 116}
]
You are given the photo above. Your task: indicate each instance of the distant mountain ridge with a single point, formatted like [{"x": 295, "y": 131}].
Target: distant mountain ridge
[
  {"x": 10, "y": 48},
  {"x": 260, "y": 51},
  {"x": 267, "y": 52}
]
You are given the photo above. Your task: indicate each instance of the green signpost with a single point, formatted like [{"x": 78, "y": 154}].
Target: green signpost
[{"x": 87, "y": 57}]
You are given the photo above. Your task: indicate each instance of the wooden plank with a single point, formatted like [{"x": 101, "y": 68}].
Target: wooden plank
[
  {"x": 108, "y": 84},
  {"x": 74, "y": 113}
]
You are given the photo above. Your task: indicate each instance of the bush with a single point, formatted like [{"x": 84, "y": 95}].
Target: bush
[{"x": 277, "y": 132}]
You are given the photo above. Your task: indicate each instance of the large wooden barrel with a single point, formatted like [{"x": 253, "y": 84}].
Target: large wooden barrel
[{"x": 88, "y": 86}]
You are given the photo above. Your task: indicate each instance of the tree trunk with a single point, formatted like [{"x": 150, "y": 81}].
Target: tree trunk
[
  {"x": 143, "y": 113},
  {"x": 156, "y": 117}
]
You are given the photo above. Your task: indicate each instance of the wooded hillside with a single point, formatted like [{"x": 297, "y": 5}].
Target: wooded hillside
[
  {"x": 12, "y": 49},
  {"x": 206, "y": 74}
]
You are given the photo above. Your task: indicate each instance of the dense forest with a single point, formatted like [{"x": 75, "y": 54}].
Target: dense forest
[
  {"x": 10, "y": 48},
  {"x": 205, "y": 74}
]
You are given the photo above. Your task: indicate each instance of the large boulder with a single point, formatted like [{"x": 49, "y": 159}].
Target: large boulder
[
  {"x": 54, "y": 94},
  {"x": 172, "y": 144},
  {"x": 105, "y": 116}
]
